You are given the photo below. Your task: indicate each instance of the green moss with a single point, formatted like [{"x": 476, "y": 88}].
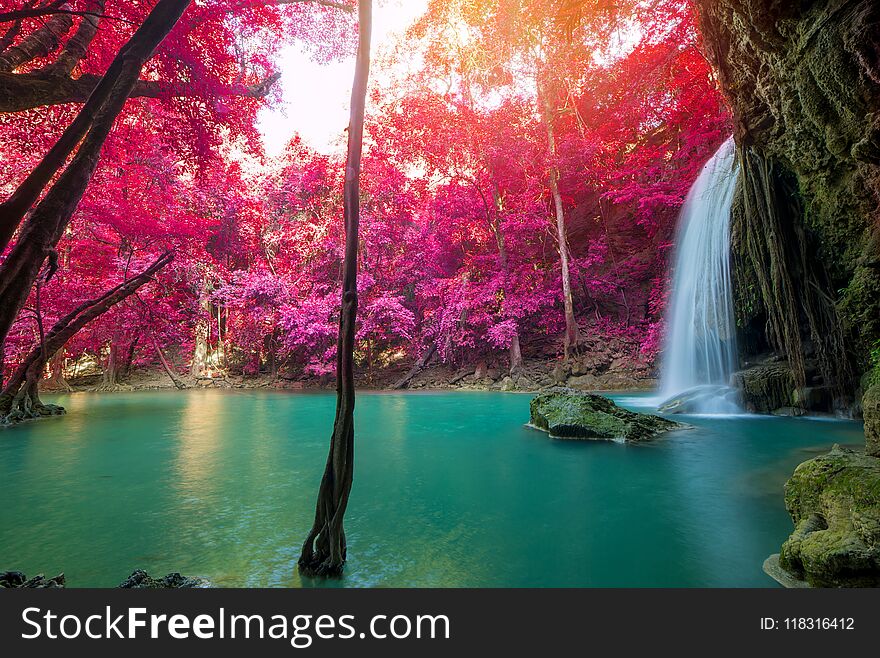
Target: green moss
[
  {"x": 570, "y": 414},
  {"x": 834, "y": 501}
]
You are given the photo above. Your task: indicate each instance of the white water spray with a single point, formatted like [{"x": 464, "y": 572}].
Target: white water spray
[{"x": 700, "y": 352}]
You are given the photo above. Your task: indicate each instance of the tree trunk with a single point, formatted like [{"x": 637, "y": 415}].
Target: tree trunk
[
  {"x": 92, "y": 124},
  {"x": 572, "y": 333},
  {"x": 177, "y": 381},
  {"x": 110, "y": 371},
  {"x": 324, "y": 550},
  {"x": 125, "y": 371},
  {"x": 417, "y": 368},
  {"x": 515, "y": 351},
  {"x": 199, "y": 364},
  {"x": 56, "y": 378},
  {"x": 19, "y": 399},
  {"x": 77, "y": 46},
  {"x": 39, "y": 43}
]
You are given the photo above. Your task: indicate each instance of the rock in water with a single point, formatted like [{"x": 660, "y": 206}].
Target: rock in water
[
  {"x": 766, "y": 387},
  {"x": 834, "y": 501},
  {"x": 871, "y": 410},
  {"x": 17, "y": 580},
  {"x": 140, "y": 579},
  {"x": 570, "y": 414}
]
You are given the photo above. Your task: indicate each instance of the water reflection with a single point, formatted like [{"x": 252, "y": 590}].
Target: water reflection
[{"x": 450, "y": 490}]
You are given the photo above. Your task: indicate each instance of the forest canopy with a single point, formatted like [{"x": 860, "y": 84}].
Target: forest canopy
[{"x": 520, "y": 184}]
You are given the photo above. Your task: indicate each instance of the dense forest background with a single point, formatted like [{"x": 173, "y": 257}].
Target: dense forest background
[{"x": 520, "y": 185}]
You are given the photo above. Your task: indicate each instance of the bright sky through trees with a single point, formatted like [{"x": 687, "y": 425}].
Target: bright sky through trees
[{"x": 321, "y": 115}]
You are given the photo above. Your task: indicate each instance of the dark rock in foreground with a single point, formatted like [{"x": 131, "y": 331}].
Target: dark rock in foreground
[
  {"x": 569, "y": 414},
  {"x": 137, "y": 580},
  {"x": 17, "y": 580},
  {"x": 142, "y": 580},
  {"x": 834, "y": 501}
]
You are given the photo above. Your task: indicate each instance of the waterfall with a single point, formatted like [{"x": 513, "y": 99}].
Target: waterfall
[{"x": 700, "y": 351}]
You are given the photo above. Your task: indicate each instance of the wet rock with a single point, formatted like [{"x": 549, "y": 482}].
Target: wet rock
[
  {"x": 871, "y": 413},
  {"x": 789, "y": 412},
  {"x": 834, "y": 502},
  {"x": 814, "y": 398},
  {"x": 12, "y": 579},
  {"x": 702, "y": 400},
  {"x": 766, "y": 387},
  {"x": 17, "y": 580},
  {"x": 140, "y": 579},
  {"x": 568, "y": 414},
  {"x": 507, "y": 384}
]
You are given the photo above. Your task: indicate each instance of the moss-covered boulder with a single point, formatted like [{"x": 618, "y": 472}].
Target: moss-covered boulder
[
  {"x": 765, "y": 388},
  {"x": 871, "y": 411},
  {"x": 834, "y": 501},
  {"x": 570, "y": 414}
]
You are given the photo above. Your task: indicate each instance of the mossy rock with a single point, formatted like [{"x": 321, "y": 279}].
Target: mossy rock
[
  {"x": 834, "y": 502},
  {"x": 766, "y": 387},
  {"x": 871, "y": 412},
  {"x": 570, "y": 414}
]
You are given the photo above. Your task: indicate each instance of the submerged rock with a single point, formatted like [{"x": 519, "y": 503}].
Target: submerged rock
[
  {"x": 834, "y": 502},
  {"x": 140, "y": 579},
  {"x": 570, "y": 414}
]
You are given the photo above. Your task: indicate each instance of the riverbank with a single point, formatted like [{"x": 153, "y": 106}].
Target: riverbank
[{"x": 612, "y": 365}]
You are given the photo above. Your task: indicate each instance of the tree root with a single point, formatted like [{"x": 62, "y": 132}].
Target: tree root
[{"x": 26, "y": 407}]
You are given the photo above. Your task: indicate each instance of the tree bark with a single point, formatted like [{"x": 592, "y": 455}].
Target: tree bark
[
  {"x": 324, "y": 550},
  {"x": 56, "y": 378},
  {"x": 92, "y": 124},
  {"x": 39, "y": 43},
  {"x": 177, "y": 381},
  {"x": 50, "y": 218},
  {"x": 417, "y": 368},
  {"x": 77, "y": 46},
  {"x": 514, "y": 350},
  {"x": 19, "y": 399},
  {"x": 572, "y": 332},
  {"x": 110, "y": 372}
]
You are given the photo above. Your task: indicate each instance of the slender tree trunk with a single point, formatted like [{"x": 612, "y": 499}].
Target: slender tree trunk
[
  {"x": 199, "y": 364},
  {"x": 19, "y": 399},
  {"x": 515, "y": 351},
  {"x": 324, "y": 550},
  {"x": 92, "y": 124},
  {"x": 112, "y": 364},
  {"x": 129, "y": 357},
  {"x": 417, "y": 368},
  {"x": 572, "y": 333},
  {"x": 177, "y": 381}
]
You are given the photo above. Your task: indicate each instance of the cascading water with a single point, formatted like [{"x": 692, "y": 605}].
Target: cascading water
[{"x": 700, "y": 352}]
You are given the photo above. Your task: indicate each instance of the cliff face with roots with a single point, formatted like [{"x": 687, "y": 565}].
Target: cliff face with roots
[{"x": 803, "y": 79}]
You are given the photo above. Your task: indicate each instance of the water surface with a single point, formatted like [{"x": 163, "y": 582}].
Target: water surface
[{"x": 450, "y": 490}]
